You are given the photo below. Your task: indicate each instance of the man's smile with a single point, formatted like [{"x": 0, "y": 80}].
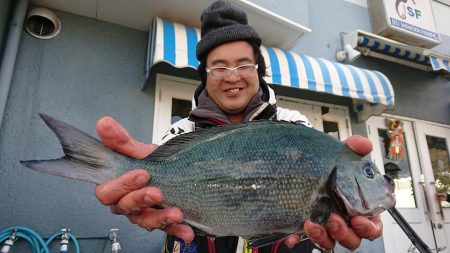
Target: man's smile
[{"x": 233, "y": 92}]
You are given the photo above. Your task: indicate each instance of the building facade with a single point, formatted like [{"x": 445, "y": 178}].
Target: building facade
[{"x": 104, "y": 62}]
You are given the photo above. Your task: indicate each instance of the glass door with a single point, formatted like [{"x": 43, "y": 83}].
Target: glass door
[
  {"x": 396, "y": 154},
  {"x": 434, "y": 142}
]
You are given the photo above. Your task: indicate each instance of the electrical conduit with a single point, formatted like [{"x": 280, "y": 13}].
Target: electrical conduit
[{"x": 10, "y": 52}]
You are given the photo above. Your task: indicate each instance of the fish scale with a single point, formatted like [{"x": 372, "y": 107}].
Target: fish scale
[
  {"x": 254, "y": 191},
  {"x": 262, "y": 178}
]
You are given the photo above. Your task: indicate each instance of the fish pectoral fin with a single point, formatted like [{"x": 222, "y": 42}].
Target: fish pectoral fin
[
  {"x": 321, "y": 210},
  {"x": 263, "y": 240}
]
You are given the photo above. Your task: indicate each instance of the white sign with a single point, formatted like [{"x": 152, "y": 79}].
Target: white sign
[
  {"x": 408, "y": 21},
  {"x": 414, "y": 16}
]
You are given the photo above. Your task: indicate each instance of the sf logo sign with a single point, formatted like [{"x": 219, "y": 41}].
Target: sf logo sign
[{"x": 404, "y": 8}]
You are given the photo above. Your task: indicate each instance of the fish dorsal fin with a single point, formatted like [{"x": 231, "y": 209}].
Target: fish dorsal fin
[{"x": 180, "y": 142}]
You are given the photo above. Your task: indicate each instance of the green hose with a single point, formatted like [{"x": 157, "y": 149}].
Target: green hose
[
  {"x": 35, "y": 241},
  {"x": 37, "y": 244}
]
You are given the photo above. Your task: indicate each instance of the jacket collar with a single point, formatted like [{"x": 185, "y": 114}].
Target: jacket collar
[{"x": 262, "y": 106}]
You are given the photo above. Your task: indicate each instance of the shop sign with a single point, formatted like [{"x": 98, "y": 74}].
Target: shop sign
[{"x": 409, "y": 21}]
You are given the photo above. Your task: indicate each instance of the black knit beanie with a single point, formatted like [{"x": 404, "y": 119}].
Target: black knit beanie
[{"x": 222, "y": 22}]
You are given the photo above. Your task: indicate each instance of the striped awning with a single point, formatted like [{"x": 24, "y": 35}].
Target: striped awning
[
  {"x": 426, "y": 57},
  {"x": 371, "y": 91},
  {"x": 439, "y": 63}
]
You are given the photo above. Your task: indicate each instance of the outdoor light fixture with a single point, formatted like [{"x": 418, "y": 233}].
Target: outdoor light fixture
[{"x": 348, "y": 53}]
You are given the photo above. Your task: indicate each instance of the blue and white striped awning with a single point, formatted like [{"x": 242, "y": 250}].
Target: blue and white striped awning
[
  {"x": 439, "y": 63},
  {"x": 371, "y": 91},
  {"x": 434, "y": 61}
]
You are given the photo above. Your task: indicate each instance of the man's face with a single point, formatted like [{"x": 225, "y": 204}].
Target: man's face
[{"x": 233, "y": 93}]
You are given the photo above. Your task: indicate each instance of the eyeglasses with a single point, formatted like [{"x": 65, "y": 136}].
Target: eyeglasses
[{"x": 219, "y": 73}]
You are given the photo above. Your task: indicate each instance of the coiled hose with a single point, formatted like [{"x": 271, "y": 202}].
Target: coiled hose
[
  {"x": 64, "y": 241},
  {"x": 10, "y": 235}
]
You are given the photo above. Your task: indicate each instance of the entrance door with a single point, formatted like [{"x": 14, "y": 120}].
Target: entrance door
[
  {"x": 395, "y": 153},
  {"x": 173, "y": 101},
  {"x": 434, "y": 143}
]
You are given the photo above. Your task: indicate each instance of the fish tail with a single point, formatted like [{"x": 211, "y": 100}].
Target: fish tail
[{"x": 86, "y": 158}]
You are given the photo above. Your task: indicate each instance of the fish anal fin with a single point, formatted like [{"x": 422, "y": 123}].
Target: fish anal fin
[
  {"x": 200, "y": 232},
  {"x": 199, "y": 229},
  {"x": 263, "y": 240}
]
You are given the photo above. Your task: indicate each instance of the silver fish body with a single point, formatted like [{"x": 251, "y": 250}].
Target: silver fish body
[{"x": 250, "y": 179}]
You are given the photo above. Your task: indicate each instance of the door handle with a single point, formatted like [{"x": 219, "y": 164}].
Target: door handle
[
  {"x": 427, "y": 203},
  {"x": 441, "y": 210}
]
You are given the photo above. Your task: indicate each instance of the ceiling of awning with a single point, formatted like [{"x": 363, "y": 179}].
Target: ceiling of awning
[{"x": 371, "y": 91}]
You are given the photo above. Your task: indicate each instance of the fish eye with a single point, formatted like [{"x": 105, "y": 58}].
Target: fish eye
[{"x": 368, "y": 171}]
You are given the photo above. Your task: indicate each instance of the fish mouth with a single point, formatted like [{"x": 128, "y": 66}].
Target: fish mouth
[
  {"x": 370, "y": 212},
  {"x": 361, "y": 195},
  {"x": 346, "y": 207},
  {"x": 337, "y": 193},
  {"x": 343, "y": 204},
  {"x": 390, "y": 183}
]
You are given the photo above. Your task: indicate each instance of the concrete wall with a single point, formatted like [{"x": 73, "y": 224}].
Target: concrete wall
[{"x": 91, "y": 69}]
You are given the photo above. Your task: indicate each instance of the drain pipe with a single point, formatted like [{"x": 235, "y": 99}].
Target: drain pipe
[{"x": 10, "y": 52}]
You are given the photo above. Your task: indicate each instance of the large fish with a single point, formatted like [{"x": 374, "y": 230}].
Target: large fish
[{"x": 260, "y": 180}]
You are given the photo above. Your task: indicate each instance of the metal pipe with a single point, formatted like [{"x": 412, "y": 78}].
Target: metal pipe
[
  {"x": 10, "y": 52},
  {"x": 86, "y": 238}
]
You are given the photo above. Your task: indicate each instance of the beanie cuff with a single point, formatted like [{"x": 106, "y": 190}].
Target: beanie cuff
[{"x": 226, "y": 34}]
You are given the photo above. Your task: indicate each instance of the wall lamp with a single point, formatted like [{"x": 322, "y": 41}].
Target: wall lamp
[{"x": 348, "y": 53}]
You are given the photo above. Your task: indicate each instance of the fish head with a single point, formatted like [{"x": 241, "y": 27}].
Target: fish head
[{"x": 360, "y": 189}]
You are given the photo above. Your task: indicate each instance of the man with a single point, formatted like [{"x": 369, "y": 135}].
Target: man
[{"x": 232, "y": 90}]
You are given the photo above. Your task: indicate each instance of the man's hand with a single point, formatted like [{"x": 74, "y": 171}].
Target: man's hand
[
  {"x": 128, "y": 195},
  {"x": 336, "y": 228}
]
